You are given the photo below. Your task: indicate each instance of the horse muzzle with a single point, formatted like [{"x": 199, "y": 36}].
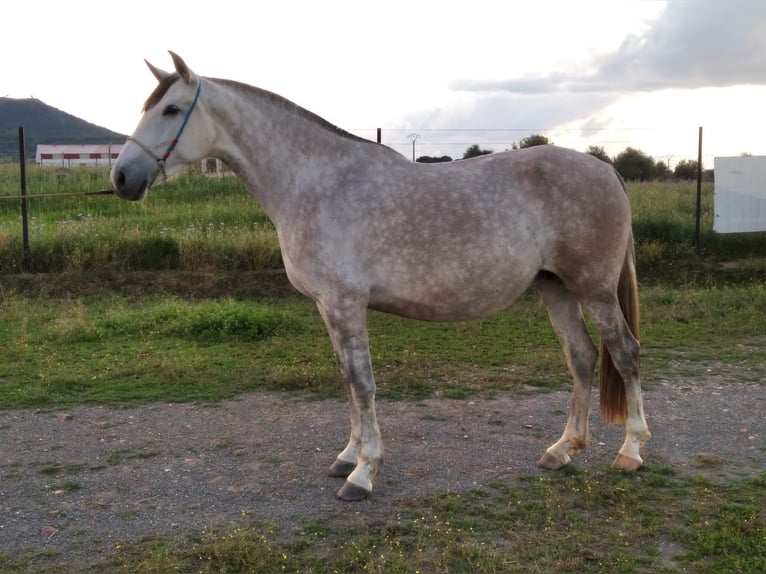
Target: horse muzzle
[{"x": 128, "y": 185}]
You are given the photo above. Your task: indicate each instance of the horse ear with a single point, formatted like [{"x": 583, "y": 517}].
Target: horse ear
[
  {"x": 158, "y": 73},
  {"x": 183, "y": 70}
]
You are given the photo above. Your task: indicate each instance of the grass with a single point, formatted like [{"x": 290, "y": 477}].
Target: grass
[
  {"x": 192, "y": 222},
  {"x": 195, "y": 222},
  {"x": 118, "y": 350},
  {"x": 664, "y": 221},
  {"x": 180, "y": 298},
  {"x": 596, "y": 520}
]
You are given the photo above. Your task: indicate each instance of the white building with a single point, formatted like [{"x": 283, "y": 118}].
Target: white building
[
  {"x": 101, "y": 155},
  {"x": 68, "y": 155}
]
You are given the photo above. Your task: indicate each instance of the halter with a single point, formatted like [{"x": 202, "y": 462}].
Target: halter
[{"x": 161, "y": 160}]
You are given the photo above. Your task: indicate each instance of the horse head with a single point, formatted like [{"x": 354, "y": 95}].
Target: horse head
[{"x": 174, "y": 131}]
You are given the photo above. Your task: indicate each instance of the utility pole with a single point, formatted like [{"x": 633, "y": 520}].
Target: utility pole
[{"x": 413, "y": 138}]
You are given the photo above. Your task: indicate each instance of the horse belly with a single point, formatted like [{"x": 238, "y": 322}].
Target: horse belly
[
  {"x": 465, "y": 264},
  {"x": 441, "y": 296}
]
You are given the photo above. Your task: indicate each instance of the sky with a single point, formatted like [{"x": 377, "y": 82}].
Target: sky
[{"x": 609, "y": 73}]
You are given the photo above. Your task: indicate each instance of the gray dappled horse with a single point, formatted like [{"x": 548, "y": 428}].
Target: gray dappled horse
[{"x": 362, "y": 227}]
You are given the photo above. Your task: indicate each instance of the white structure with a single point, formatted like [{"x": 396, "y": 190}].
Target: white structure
[
  {"x": 101, "y": 155},
  {"x": 740, "y": 194},
  {"x": 214, "y": 166}
]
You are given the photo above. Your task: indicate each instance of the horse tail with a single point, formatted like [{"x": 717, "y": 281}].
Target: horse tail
[{"x": 614, "y": 407}]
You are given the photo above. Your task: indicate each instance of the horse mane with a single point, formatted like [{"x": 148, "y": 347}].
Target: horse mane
[
  {"x": 276, "y": 99},
  {"x": 289, "y": 106}
]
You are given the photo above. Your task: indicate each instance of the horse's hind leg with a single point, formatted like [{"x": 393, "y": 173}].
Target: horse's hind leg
[
  {"x": 623, "y": 348},
  {"x": 362, "y": 458},
  {"x": 566, "y": 317}
]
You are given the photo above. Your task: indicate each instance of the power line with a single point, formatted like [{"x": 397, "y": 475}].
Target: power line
[{"x": 553, "y": 129}]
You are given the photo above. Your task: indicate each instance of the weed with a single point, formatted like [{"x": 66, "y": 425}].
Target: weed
[
  {"x": 68, "y": 486},
  {"x": 50, "y": 469},
  {"x": 575, "y": 521}
]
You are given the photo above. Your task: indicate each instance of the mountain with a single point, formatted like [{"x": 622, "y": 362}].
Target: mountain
[{"x": 44, "y": 124}]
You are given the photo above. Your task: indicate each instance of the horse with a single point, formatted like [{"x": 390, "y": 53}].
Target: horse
[{"x": 361, "y": 227}]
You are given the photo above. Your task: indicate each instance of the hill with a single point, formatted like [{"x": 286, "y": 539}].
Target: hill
[{"x": 44, "y": 124}]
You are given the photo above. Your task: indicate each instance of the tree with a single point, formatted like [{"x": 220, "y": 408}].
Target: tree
[
  {"x": 598, "y": 151},
  {"x": 533, "y": 140},
  {"x": 686, "y": 169},
  {"x": 635, "y": 165},
  {"x": 430, "y": 159},
  {"x": 475, "y": 151},
  {"x": 661, "y": 170}
]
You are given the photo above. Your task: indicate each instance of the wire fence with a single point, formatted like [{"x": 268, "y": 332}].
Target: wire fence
[
  {"x": 434, "y": 142},
  {"x": 667, "y": 144}
]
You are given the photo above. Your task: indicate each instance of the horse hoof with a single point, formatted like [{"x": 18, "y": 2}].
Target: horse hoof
[
  {"x": 341, "y": 469},
  {"x": 550, "y": 462},
  {"x": 351, "y": 492},
  {"x": 626, "y": 463}
]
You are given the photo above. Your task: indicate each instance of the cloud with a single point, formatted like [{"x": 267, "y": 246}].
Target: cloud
[
  {"x": 705, "y": 43},
  {"x": 517, "y": 111},
  {"x": 494, "y": 121},
  {"x": 699, "y": 62}
]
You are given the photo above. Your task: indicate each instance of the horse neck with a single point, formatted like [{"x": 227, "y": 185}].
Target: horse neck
[{"x": 276, "y": 148}]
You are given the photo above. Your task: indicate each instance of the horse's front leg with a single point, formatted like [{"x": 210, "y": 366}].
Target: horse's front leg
[{"x": 362, "y": 458}]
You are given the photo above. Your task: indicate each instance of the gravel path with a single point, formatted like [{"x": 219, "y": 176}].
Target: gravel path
[{"x": 83, "y": 480}]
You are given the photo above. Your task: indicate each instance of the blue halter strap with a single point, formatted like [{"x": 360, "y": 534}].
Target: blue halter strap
[
  {"x": 174, "y": 143},
  {"x": 161, "y": 160}
]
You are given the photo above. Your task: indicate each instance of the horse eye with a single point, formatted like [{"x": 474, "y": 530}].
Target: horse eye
[{"x": 171, "y": 110}]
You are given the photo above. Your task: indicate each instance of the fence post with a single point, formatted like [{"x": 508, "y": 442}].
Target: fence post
[
  {"x": 24, "y": 214},
  {"x": 699, "y": 192}
]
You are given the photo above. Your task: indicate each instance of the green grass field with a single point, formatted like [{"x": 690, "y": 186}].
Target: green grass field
[
  {"x": 64, "y": 351},
  {"x": 195, "y": 223},
  {"x": 189, "y": 281}
]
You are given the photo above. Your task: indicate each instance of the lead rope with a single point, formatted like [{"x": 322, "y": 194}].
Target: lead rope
[{"x": 162, "y": 160}]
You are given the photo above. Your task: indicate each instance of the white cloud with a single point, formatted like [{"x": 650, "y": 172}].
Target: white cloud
[
  {"x": 705, "y": 43},
  {"x": 652, "y": 90}
]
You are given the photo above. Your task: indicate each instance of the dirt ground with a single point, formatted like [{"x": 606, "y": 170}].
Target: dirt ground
[{"x": 83, "y": 480}]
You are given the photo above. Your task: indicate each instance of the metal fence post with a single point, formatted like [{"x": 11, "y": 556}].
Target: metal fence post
[
  {"x": 697, "y": 227},
  {"x": 24, "y": 214}
]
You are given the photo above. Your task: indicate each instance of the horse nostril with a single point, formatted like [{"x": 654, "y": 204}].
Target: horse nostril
[{"x": 118, "y": 180}]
